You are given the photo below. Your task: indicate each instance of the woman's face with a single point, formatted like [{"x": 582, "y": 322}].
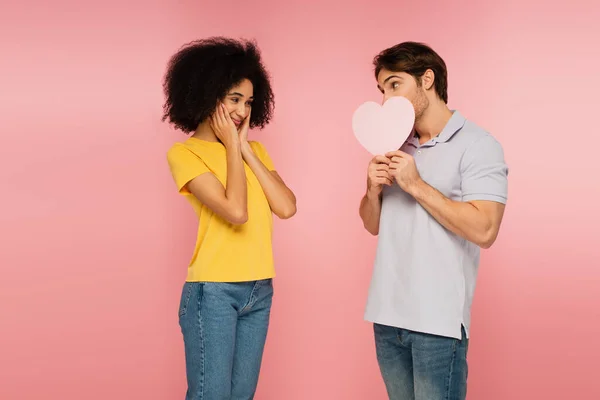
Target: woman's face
[{"x": 238, "y": 101}]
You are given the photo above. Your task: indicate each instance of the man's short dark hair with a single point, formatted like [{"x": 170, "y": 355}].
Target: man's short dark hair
[{"x": 414, "y": 59}]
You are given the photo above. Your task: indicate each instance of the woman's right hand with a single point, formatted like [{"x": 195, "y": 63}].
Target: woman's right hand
[{"x": 224, "y": 127}]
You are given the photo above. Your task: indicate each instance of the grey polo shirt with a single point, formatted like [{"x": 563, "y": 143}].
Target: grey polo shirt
[{"x": 424, "y": 276}]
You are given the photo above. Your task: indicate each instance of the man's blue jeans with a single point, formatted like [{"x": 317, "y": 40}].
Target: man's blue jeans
[
  {"x": 419, "y": 366},
  {"x": 224, "y": 328}
]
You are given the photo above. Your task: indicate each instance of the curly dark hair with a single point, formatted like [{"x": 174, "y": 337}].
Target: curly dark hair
[{"x": 202, "y": 72}]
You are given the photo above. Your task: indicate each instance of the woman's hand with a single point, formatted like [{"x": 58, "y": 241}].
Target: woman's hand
[
  {"x": 224, "y": 127},
  {"x": 243, "y": 132}
]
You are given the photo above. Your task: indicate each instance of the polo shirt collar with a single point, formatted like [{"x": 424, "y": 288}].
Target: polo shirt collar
[{"x": 454, "y": 124}]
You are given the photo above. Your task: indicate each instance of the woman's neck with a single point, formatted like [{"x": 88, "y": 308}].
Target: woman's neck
[{"x": 205, "y": 132}]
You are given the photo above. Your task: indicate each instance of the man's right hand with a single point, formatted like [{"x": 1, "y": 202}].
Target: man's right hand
[{"x": 378, "y": 175}]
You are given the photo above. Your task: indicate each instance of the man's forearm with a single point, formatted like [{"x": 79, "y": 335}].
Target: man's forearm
[
  {"x": 370, "y": 212},
  {"x": 461, "y": 218}
]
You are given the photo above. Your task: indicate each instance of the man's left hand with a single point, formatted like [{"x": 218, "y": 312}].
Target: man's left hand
[{"x": 403, "y": 169}]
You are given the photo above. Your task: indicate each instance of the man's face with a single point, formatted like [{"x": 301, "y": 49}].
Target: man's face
[{"x": 392, "y": 84}]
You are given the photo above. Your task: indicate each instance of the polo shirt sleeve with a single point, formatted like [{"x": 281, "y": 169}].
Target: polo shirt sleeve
[
  {"x": 484, "y": 172},
  {"x": 184, "y": 166},
  {"x": 263, "y": 155}
]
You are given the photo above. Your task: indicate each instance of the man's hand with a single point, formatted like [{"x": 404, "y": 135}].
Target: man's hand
[
  {"x": 403, "y": 170},
  {"x": 370, "y": 206},
  {"x": 378, "y": 175}
]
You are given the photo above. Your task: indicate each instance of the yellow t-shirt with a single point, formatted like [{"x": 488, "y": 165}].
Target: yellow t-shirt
[{"x": 225, "y": 252}]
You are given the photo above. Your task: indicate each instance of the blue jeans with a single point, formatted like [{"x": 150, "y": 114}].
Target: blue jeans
[
  {"x": 419, "y": 366},
  {"x": 224, "y": 328}
]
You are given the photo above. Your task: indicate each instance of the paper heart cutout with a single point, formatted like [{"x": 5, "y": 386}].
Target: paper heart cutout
[{"x": 380, "y": 129}]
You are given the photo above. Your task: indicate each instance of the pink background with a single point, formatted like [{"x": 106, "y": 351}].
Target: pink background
[{"x": 95, "y": 240}]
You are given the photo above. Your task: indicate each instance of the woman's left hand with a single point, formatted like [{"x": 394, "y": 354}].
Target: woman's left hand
[{"x": 243, "y": 131}]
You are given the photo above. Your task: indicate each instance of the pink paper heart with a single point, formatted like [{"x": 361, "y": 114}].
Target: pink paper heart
[{"x": 380, "y": 129}]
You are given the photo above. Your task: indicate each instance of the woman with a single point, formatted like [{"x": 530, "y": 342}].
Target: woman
[{"x": 217, "y": 89}]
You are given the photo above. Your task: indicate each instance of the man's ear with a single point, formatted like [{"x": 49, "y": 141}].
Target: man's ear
[{"x": 428, "y": 79}]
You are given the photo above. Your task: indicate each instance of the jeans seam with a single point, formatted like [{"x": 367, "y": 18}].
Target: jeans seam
[
  {"x": 202, "y": 352},
  {"x": 187, "y": 294},
  {"x": 399, "y": 338},
  {"x": 450, "y": 372},
  {"x": 251, "y": 298}
]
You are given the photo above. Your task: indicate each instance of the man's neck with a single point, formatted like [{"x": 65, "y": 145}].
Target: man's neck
[{"x": 433, "y": 121}]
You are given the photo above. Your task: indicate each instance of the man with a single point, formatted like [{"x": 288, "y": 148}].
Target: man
[{"x": 434, "y": 203}]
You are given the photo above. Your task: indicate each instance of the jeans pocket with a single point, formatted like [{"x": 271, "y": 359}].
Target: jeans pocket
[
  {"x": 186, "y": 293},
  {"x": 433, "y": 344}
]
